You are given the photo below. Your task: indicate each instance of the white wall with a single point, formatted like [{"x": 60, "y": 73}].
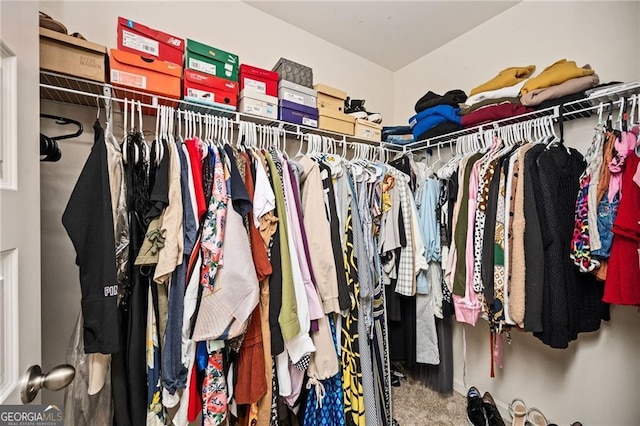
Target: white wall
[
  {"x": 259, "y": 39},
  {"x": 22, "y": 206},
  {"x": 531, "y": 32},
  {"x": 595, "y": 380}
]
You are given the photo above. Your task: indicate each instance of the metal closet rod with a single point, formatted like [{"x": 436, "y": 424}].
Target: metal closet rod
[
  {"x": 217, "y": 111},
  {"x": 360, "y": 146}
]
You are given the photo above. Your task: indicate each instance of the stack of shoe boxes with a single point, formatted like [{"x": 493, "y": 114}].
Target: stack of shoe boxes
[
  {"x": 297, "y": 98},
  {"x": 258, "y": 92},
  {"x": 331, "y": 110},
  {"x": 147, "y": 60},
  {"x": 211, "y": 76}
]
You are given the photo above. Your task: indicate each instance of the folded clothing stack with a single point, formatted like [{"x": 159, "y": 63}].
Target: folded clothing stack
[
  {"x": 399, "y": 135},
  {"x": 437, "y": 114},
  {"x": 513, "y": 91}
]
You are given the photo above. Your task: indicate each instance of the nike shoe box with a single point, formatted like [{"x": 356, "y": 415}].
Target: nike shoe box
[
  {"x": 253, "y": 79},
  {"x": 294, "y": 72},
  {"x": 210, "y": 90},
  {"x": 148, "y": 75},
  {"x": 255, "y": 103},
  {"x": 148, "y": 42},
  {"x": 210, "y": 60},
  {"x": 296, "y": 113}
]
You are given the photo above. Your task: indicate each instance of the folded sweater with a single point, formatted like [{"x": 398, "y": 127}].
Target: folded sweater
[
  {"x": 506, "y": 77},
  {"x": 574, "y": 85},
  {"x": 556, "y": 73},
  {"x": 431, "y": 99},
  {"x": 505, "y": 92},
  {"x": 493, "y": 112},
  {"x": 439, "y": 130},
  {"x": 478, "y": 105},
  {"x": 431, "y": 117}
]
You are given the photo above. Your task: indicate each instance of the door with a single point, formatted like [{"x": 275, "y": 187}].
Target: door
[{"x": 20, "y": 336}]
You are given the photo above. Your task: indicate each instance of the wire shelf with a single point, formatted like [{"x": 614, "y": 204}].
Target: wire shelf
[
  {"x": 76, "y": 91},
  {"x": 579, "y": 108}
]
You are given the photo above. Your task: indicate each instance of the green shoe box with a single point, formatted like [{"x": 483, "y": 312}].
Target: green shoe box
[{"x": 209, "y": 60}]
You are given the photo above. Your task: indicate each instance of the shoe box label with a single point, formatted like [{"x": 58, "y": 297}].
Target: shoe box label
[
  {"x": 306, "y": 121},
  {"x": 259, "y": 86},
  {"x": 140, "y": 43},
  {"x": 292, "y": 97},
  {"x": 201, "y": 95},
  {"x": 202, "y": 66},
  {"x": 127, "y": 79}
]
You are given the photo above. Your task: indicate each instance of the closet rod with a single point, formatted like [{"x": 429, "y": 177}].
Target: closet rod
[
  {"x": 604, "y": 97},
  {"x": 451, "y": 138},
  {"x": 235, "y": 121}
]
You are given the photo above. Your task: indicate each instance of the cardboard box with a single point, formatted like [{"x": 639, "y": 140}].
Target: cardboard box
[
  {"x": 207, "y": 89},
  {"x": 292, "y": 92},
  {"x": 207, "y": 59},
  {"x": 336, "y": 122},
  {"x": 255, "y": 103},
  {"x": 258, "y": 80},
  {"x": 365, "y": 129},
  {"x": 73, "y": 56},
  {"x": 330, "y": 98},
  {"x": 142, "y": 40},
  {"x": 295, "y": 113},
  {"x": 294, "y": 72},
  {"x": 145, "y": 74}
]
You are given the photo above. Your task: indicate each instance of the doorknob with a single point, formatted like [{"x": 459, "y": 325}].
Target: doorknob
[{"x": 33, "y": 380}]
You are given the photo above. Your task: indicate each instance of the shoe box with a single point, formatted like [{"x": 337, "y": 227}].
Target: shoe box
[
  {"x": 365, "y": 129},
  {"x": 256, "y": 103},
  {"x": 294, "y": 72},
  {"x": 210, "y": 60},
  {"x": 145, "y": 74},
  {"x": 296, "y": 113},
  {"x": 210, "y": 90},
  {"x": 72, "y": 56},
  {"x": 301, "y": 95},
  {"x": 258, "y": 80},
  {"x": 330, "y": 98},
  {"x": 335, "y": 121},
  {"x": 150, "y": 43}
]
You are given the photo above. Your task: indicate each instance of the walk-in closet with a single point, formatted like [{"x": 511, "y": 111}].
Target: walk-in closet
[{"x": 320, "y": 213}]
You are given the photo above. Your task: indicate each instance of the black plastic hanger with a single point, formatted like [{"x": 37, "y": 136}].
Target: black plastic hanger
[{"x": 49, "y": 146}]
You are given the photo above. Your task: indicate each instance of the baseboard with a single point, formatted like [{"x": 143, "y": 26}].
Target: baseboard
[{"x": 460, "y": 387}]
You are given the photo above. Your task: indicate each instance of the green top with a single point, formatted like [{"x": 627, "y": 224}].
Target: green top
[{"x": 288, "y": 317}]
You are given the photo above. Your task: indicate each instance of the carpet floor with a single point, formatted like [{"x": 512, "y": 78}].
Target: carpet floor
[{"x": 416, "y": 405}]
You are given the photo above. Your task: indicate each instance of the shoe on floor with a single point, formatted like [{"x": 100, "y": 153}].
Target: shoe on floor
[
  {"x": 491, "y": 411},
  {"x": 475, "y": 409}
]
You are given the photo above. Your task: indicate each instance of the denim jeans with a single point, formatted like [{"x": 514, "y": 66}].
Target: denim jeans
[{"x": 607, "y": 212}]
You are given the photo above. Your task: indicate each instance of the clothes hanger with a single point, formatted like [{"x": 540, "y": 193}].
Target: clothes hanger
[{"x": 49, "y": 146}]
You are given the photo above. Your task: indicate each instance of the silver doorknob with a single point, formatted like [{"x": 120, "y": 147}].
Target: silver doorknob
[{"x": 33, "y": 380}]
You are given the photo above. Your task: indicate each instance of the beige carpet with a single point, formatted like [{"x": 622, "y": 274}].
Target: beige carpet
[{"x": 416, "y": 405}]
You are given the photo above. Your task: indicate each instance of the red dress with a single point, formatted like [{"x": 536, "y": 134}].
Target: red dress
[{"x": 622, "y": 286}]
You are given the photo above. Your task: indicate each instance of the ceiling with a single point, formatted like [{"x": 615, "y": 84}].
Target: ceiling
[{"x": 392, "y": 34}]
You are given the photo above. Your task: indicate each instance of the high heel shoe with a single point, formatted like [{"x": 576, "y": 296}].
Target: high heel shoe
[
  {"x": 536, "y": 418},
  {"x": 518, "y": 411}
]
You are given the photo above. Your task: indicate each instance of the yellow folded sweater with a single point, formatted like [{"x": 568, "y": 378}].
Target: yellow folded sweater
[
  {"x": 505, "y": 78},
  {"x": 556, "y": 73}
]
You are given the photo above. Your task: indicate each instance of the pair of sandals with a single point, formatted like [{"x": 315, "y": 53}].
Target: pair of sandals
[{"x": 526, "y": 417}]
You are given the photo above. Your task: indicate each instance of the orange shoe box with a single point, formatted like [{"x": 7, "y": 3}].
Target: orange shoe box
[{"x": 145, "y": 74}]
